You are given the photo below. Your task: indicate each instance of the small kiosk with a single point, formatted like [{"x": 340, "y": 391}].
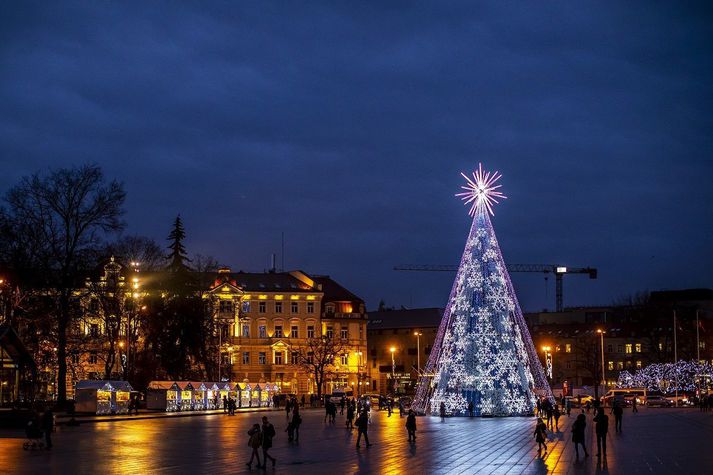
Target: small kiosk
[
  {"x": 102, "y": 397},
  {"x": 199, "y": 396},
  {"x": 223, "y": 391},
  {"x": 213, "y": 400},
  {"x": 162, "y": 396},
  {"x": 186, "y": 401},
  {"x": 245, "y": 394}
]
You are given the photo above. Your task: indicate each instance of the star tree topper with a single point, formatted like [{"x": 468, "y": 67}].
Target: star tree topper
[{"x": 481, "y": 191}]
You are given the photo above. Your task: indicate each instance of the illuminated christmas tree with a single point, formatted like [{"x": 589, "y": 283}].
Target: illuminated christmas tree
[{"x": 483, "y": 351}]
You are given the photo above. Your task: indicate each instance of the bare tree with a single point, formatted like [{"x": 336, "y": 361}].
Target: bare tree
[
  {"x": 138, "y": 249},
  {"x": 59, "y": 220},
  {"x": 316, "y": 357}
]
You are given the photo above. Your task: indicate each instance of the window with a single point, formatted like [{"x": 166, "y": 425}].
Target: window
[
  {"x": 610, "y": 366},
  {"x": 345, "y": 359},
  {"x": 75, "y": 358},
  {"x": 702, "y": 345},
  {"x": 246, "y": 357},
  {"x": 278, "y": 357},
  {"x": 278, "y": 331},
  {"x": 310, "y": 307},
  {"x": 619, "y": 348},
  {"x": 638, "y": 364},
  {"x": 558, "y": 348},
  {"x": 294, "y": 332},
  {"x": 568, "y": 348},
  {"x": 94, "y": 330},
  {"x": 629, "y": 347},
  {"x": 246, "y": 330},
  {"x": 345, "y": 333},
  {"x": 93, "y": 357},
  {"x": 660, "y": 346},
  {"x": 310, "y": 331},
  {"x": 568, "y": 365},
  {"x": 619, "y": 365},
  {"x": 294, "y": 307},
  {"x": 361, "y": 332},
  {"x": 226, "y": 306},
  {"x": 628, "y": 364},
  {"x": 330, "y": 332},
  {"x": 94, "y": 306},
  {"x": 246, "y": 306},
  {"x": 278, "y": 307},
  {"x": 637, "y": 347},
  {"x": 261, "y": 308},
  {"x": 295, "y": 357},
  {"x": 310, "y": 357},
  {"x": 261, "y": 358},
  {"x": 262, "y": 331},
  {"x": 610, "y": 349}
]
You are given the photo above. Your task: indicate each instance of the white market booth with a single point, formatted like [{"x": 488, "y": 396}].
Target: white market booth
[
  {"x": 102, "y": 397},
  {"x": 200, "y": 393},
  {"x": 163, "y": 396}
]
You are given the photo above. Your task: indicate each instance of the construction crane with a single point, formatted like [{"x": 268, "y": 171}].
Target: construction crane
[{"x": 558, "y": 270}]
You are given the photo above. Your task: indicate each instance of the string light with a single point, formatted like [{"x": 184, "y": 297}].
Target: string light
[{"x": 668, "y": 377}]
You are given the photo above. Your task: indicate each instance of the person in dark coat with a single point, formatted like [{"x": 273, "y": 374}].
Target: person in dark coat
[
  {"x": 471, "y": 407},
  {"x": 254, "y": 442},
  {"x": 442, "y": 410},
  {"x": 540, "y": 435},
  {"x": 225, "y": 405},
  {"x": 296, "y": 422},
  {"x": 268, "y": 432},
  {"x": 47, "y": 425},
  {"x": 362, "y": 424},
  {"x": 556, "y": 416},
  {"x": 601, "y": 428},
  {"x": 350, "y": 416},
  {"x": 411, "y": 425},
  {"x": 578, "y": 434},
  {"x": 618, "y": 415}
]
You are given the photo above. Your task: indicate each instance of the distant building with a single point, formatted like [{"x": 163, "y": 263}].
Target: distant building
[{"x": 17, "y": 369}]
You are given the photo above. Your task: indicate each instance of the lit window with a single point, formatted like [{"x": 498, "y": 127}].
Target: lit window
[
  {"x": 261, "y": 358},
  {"x": 295, "y": 357},
  {"x": 345, "y": 359},
  {"x": 246, "y": 330},
  {"x": 638, "y": 364},
  {"x": 262, "y": 331},
  {"x": 629, "y": 348},
  {"x": 610, "y": 366},
  {"x": 262, "y": 307},
  {"x": 345, "y": 333},
  {"x": 278, "y": 357},
  {"x": 637, "y": 347},
  {"x": 278, "y": 331},
  {"x": 294, "y": 307},
  {"x": 568, "y": 348},
  {"x": 93, "y": 359},
  {"x": 660, "y": 346},
  {"x": 619, "y": 365},
  {"x": 294, "y": 332},
  {"x": 702, "y": 345},
  {"x": 330, "y": 332},
  {"x": 246, "y": 357},
  {"x": 246, "y": 306},
  {"x": 310, "y": 331},
  {"x": 278, "y": 307},
  {"x": 310, "y": 307},
  {"x": 558, "y": 348}
]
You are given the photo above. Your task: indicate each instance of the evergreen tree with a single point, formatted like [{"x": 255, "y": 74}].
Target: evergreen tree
[{"x": 177, "y": 257}]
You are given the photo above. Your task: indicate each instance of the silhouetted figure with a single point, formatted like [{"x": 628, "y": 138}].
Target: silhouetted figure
[
  {"x": 411, "y": 425},
  {"x": 601, "y": 428},
  {"x": 578, "y": 434},
  {"x": 288, "y": 406},
  {"x": 225, "y": 405},
  {"x": 442, "y": 410},
  {"x": 268, "y": 432},
  {"x": 296, "y": 422},
  {"x": 540, "y": 434},
  {"x": 342, "y": 403},
  {"x": 303, "y": 400},
  {"x": 362, "y": 424},
  {"x": 254, "y": 442},
  {"x": 618, "y": 415},
  {"x": 471, "y": 407},
  {"x": 568, "y": 406},
  {"x": 350, "y": 417},
  {"x": 634, "y": 405},
  {"x": 556, "y": 416}
]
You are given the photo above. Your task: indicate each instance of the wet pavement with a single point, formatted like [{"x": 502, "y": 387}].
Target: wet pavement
[{"x": 660, "y": 441}]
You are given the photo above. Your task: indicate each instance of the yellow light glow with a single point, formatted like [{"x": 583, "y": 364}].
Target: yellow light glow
[
  {"x": 135, "y": 280},
  {"x": 262, "y": 297},
  {"x": 310, "y": 297},
  {"x": 294, "y": 297},
  {"x": 225, "y": 289},
  {"x": 392, "y": 349},
  {"x": 279, "y": 297},
  {"x": 348, "y": 308}
]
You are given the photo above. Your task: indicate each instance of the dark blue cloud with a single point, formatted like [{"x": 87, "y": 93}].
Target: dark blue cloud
[{"x": 346, "y": 127}]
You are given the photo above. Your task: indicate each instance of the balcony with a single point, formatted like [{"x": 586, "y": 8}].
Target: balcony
[{"x": 339, "y": 316}]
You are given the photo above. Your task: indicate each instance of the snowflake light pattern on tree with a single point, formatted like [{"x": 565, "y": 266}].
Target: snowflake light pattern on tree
[{"x": 483, "y": 352}]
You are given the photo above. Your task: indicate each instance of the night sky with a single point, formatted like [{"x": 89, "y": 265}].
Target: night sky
[{"x": 346, "y": 128}]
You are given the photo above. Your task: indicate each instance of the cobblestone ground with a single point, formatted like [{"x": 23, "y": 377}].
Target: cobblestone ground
[{"x": 661, "y": 441}]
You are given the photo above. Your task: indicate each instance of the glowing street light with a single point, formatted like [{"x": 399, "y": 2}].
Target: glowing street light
[
  {"x": 548, "y": 360},
  {"x": 418, "y": 335},
  {"x": 393, "y": 363}
]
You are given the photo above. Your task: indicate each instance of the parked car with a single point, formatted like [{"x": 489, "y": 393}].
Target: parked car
[
  {"x": 658, "y": 401},
  {"x": 683, "y": 400}
]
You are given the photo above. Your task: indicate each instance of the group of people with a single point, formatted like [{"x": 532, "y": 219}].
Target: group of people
[
  {"x": 294, "y": 419},
  {"x": 229, "y": 405},
  {"x": 40, "y": 425},
  {"x": 261, "y": 437}
]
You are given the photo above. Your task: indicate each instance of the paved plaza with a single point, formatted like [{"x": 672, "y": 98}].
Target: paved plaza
[{"x": 660, "y": 441}]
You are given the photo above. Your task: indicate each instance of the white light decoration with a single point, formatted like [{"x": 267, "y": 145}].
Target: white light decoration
[
  {"x": 668, "y": 377},
  {"x": 483, "y": 353}
]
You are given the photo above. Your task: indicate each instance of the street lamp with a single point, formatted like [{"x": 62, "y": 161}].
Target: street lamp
[
  {"x": 548, "y": 360},
  {"x": 359, "y": 376},
  {"x": 418, "y": 351},
  {"x": 393, "y": 362},
  {"x": 601, "y": 339}
]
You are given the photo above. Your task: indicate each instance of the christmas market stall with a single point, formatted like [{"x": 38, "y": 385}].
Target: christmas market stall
[
  {"x": 212, "y": 396},
  {"x": 163, "y": 396},
  {"x": 186, "y": 402},
  {"x": 102, "y": 397},
  {"x": 200, "y": 393},
  {"x": 246, "y": 394}
]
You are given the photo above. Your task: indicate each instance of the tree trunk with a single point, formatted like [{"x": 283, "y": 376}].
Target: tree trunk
[{"x": 62, "y": 324}]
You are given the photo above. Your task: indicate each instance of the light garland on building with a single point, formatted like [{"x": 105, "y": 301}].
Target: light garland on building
[
  {"x": 483, "y": 352},
  {"x": 668, "y": 377}
]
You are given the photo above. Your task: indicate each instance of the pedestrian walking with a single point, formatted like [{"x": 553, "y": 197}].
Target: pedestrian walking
[
  {"x": 47, "y": 425},
  {"x": 254, "y": 442},
  {"x": 342, "y": 403},
  {"x": 540, "y": 435},
  {"x": 296, "y": 422},
  {"x": 618, "y": 415},
  {"x": 288, "y": 406},
  {"x": 411, "y": 425},
  {"x": 578, "y": 434},
  {"x": 471, "y": 406},
  {"x": 568, "y": 406},
  {"x": 442, "y": 410},
  {"x": 389, "y": 406},
  {"x": 634, "y": 405},
  {"x": 362, "y": 424},
  {"x": 601, "y": 427},
  {"x": 556, "y": 415},
  {"x": 225, "y": 405},
  {"x": 268, "y": 432},
  {"x": 350, "y": 417}
]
